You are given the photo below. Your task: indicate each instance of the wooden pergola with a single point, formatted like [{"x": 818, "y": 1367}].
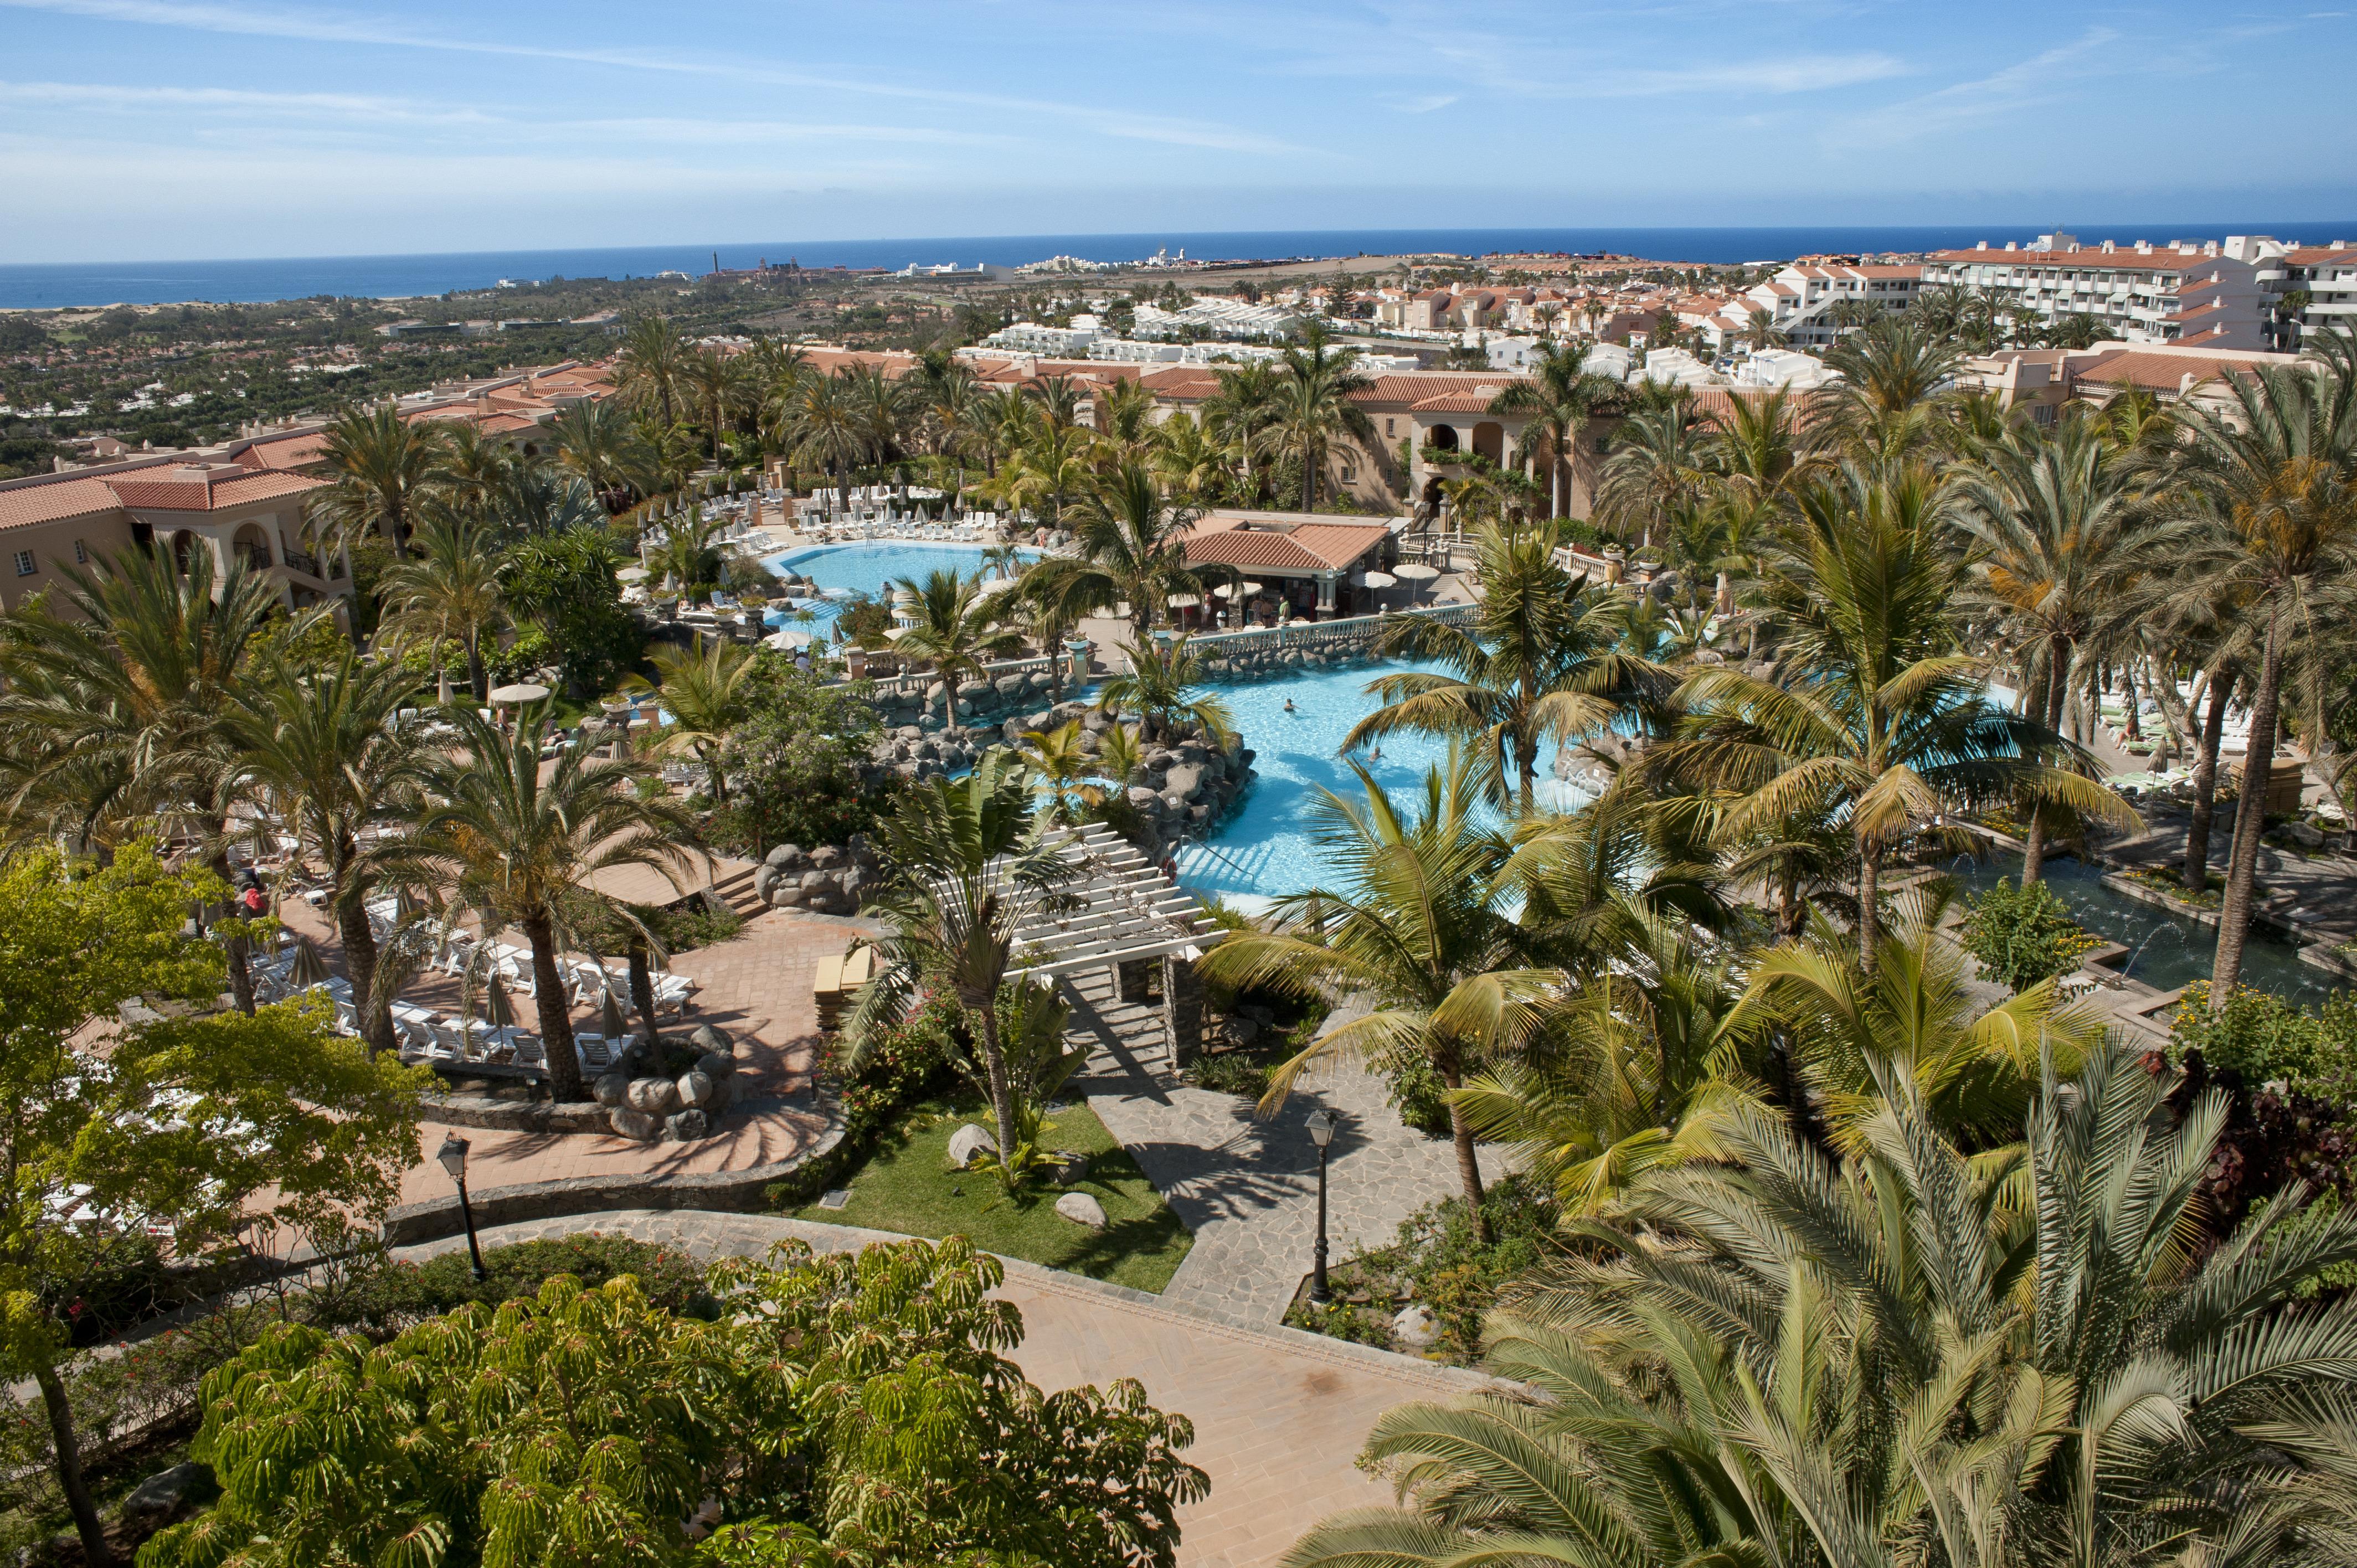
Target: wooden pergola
[{"x": 1119, "y": 909}]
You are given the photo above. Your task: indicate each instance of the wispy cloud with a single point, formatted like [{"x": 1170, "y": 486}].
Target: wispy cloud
[
  {"x": 1424, "y": 103},
  {"x": 328, "y": 27}
]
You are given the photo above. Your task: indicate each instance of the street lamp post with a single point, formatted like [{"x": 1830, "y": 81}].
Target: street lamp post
[
  {"x": 453, "y": 1155},
  {"x": 1321, "y": 1132}
]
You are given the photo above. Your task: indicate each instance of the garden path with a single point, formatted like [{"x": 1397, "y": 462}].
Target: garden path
[
  {"x": 1247, "y": 1188},
  {"x": 1279, "y": 1415}
]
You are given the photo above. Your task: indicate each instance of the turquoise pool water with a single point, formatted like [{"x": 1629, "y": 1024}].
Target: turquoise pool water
[
  {"x": 842, "y": 570},
  {"x": 2165, "y": 949},
  {"x": 1265, "y": 848}
]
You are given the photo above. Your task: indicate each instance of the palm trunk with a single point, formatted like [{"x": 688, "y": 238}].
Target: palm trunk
[
  {"x": 1870, "y": 914},
  {"x": 1460, "y": 1133},
  {"x": 555, "y": 1016},
  {"x": 1002, "y": 1092},
  {"x": 2033, "y": 833},
  {"x": 2242, "y": 865},
  {"x": 2195, "y": 874},
  {"x": 359, "y": 967},
  {"x": 478, "y": 678},
  {"x": 95, "y": 1552},
  {"x": 642, "y": 984}
]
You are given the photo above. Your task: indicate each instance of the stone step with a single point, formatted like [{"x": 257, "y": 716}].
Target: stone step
[{"x": 737, "y": 892}]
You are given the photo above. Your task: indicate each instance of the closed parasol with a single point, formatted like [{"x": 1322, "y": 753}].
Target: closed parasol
[
  {"x": 308, "y": 968},
  {"x": 498, "y": 1012},
  {"x": 609, "y": 1014}
]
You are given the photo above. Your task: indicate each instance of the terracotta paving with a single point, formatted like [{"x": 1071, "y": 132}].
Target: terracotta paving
[
  {"x": 1279, "y": 1415},
  {"x": 756, "y": 985}
]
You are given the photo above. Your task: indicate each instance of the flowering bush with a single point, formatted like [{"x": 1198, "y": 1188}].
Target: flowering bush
[{"x": 2021, "y": 935}]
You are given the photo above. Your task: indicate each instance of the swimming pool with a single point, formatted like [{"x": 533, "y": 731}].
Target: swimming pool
[
  {"x": 842, "y": 570},
  {"x": 1266, "y": 847}
]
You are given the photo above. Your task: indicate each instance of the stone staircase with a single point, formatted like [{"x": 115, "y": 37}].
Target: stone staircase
[
  {"x": 1122, "y": 1035},
  {"x": 734, "y": 887}
]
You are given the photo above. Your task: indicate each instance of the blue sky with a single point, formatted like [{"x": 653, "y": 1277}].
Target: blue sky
[{"x": 200, "y": 128}]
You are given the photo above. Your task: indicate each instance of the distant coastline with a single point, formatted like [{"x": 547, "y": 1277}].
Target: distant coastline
[{"x": 50, "y": 286}]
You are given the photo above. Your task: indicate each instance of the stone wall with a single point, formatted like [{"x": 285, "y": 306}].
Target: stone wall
[{"x": 830, "y": 879}]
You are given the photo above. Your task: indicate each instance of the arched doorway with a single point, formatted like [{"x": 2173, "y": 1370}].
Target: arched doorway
[
  {"x": 1443, "y": 436},
  {"x": 253, "y": 547},
  {"x": 1489, "y": 441},
  {"x": 182, "y": 543}
]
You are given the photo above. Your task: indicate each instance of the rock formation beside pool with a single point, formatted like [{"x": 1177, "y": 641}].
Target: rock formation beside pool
[{"x": 832, "y": 879}]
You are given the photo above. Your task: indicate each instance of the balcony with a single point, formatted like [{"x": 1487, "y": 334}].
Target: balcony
[
  {"x": 256, "y": 556},
  {"x": 306, "y": 563}
]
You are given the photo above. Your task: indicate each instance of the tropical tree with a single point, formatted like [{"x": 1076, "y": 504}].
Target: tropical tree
[
  {"x": 1784, "y": 1357},
  {"x": 1312, "y": 408},
  {"x": 818, "y": 424},
  {"x": 1161, "y": 686},
  {"x": 1878, "y": 721},
  {"x": 1895, "y": 377},
  {"x": 341, "y": 768},
  {"x": 955, "y": 627},
  {"x": 651, "y": 371},
  {"x": 1132, "y": 549},
  {"x": 704, "y": 690},
  {"x": 690, "y": 553},
  {"x": 449, "y": 590},
  {"x": 1040, "y": 475},
  {"x": 505, "y": 838},
  {"x": 1188, "y": 459},
  {"x": 383, "y": 465},
  {"x": 1560, "y": 398},
  {"x": 973, "y": 863},
  {"x": 597, "y": 441},
  {"x": 1537, "y": 663},
  {"x": 1659, "y": 470},
  {"x": 1243, "y": 414},
  {"x": 716, "y": 382},
  {"x": 1419, "y": 918},
  {"x": 2271, "y": 488}
]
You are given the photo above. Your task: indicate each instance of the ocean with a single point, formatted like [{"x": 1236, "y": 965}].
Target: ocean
[{"x": 51, "y": 285}]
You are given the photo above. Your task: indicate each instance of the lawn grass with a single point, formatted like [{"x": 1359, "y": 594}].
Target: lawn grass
[{"x": 906, "y": 1186}]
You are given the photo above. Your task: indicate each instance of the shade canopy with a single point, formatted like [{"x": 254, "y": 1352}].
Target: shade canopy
[
  {"x": 1114, "y": 907},
  {"x": 787, "y": 639},
  {"x": 632, "y": 574},
  {"x": 523, "y": 691},
  {"x": 1185, "y": 601},
  {"x": 1377, "y": 580},
  {"x": 1417, "y": 572}
]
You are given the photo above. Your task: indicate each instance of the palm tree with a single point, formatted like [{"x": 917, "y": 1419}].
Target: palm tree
[
  {"x": 1878, "y": 723},
  {"x": 1000, "y": 421},
  {"x": 690, "y": 553},
  {"x": 880, "y": 408},
  {"x": 341, "y": 768},
  {"x": 1313, "y": 407},
  {"x": 1039, "y": 475},
  {"x": 1160, "y": 687},
  {"x": 476, "y": 468},
  {"x": 973, "y": 863},
  {"x": 818, "y": 423},
  {"x": 597, "y": 441},
  {"x": 1059, "y": 398},
  {"x": 705, "y": 691},
  {"x": 1243, "y": 414},
  {"x": 1909, "y": 1356},
  {"x": 1418, "y": 921},
  {"x": 1893, "y": 374},
  {"x": 651, "y": 370},
  {"x": 450, "y": 589},
  {"x": 2056, "y": 539},
  {"x": 503, "y": 841},
  {"x": 1132, "y": 549},
  {"x": 1560, "y": 397},
  {"x": 1659, "y": 470},
  {"x": 383, "y": 466},
  {"x": 2271, "y": 486},
  {"x": 715, "y": 382},
  {"x": 1124, "y": 422},
  {"x": 956, "y": 627},
  {"x": 1187, "y": 460},
  {"x": 1537, "y": 663}
]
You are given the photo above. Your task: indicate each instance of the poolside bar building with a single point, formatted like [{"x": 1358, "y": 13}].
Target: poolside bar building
[{"x": 1305, "y": 558}]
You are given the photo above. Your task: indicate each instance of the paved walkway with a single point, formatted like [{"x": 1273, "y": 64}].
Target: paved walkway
[
  {"x": 1279, "y": 1415},
  {"x": 757, "y": 985},
  {"x": 1248, "y": 1188}
]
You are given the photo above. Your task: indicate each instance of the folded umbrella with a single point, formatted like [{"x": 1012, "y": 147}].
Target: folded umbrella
[
  {"x": 308, "y": 968},
  {"x": 496, "y": 1010}
]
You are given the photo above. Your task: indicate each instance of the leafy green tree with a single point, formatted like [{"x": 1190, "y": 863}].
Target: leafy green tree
[
  {"x": 2021, "y": 934},
  {"x": 706, "y": 690},
  {"x": 384, "y": 467},
  {"x": 449, "y": 590},
  {"x": 1162, "y": 687},
  {"x": 199, "y": 1123},
  {"x": 855, "y": 1410},
  {"x": 565, "y": 586}
]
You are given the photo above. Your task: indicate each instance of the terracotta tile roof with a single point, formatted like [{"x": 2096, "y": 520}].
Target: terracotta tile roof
[
  {"x": 1471, "y": 401},
  {"x": 1229, "y": 540},
  {"x": 2155, "y": 372},
  {"x": 55, "y": 500},
  {"x": 2102, "y": 261},
  {"x": 207, "y": 489},
  {"x": 1409, "y": 388},
  {"x": 284, "y": 453},
  {"x": 2212, "y": 309},
  {"x": 1180, "y": 384},
  {"x": 2313, "y": 255}
]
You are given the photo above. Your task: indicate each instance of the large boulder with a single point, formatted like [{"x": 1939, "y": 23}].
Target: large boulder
[
  {"x": 169, "y": 1494},
  {"x": 786, "y": 855},
  {"x": 765, "y": 878},
  {"x": 611, "y": 1088},
  {"x": 686, "y": 1126},
  {"x": 1081, "y": 1209},
  {"x": 1183, "y": 780},
  {"x": 633, "y": 1124},
  {"x": 705, "y": 1038},
  {"x": 695, "y": 1087},
  {"x": 1010, "y": 687},
  {"x": 655, "y": 1096},
  {"x": 1143, "y": 799},
  {"x": 1413, "y": 1326},
  {"x": 829, "y": 857},
  {"x": 716, "y": 1065},
  {"x": 969, "y": 1141}
]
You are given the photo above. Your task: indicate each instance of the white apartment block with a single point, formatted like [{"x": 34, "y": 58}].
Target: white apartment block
[
  {"x": 2195, "y": 293},
  {"x": 1799, "y": 300},
  {"x": 1054, "y": 342},
  {"x": 1218, "y": 318}
]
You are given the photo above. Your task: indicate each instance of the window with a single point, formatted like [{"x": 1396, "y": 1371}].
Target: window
[
  {"x": 24, "y": 563},
  {"x": 1390, "y": 427},
  {"x": 81, "y": 554},
  {"x": 1350, "y": 475}
]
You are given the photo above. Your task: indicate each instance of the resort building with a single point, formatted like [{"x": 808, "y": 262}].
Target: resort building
[
  {"x": 2043, "y": 380},
  {"x": 1307, "y": 559}
]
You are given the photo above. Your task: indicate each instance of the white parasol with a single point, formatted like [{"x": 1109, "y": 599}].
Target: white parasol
[
  {"x": 787, "y": 639},
  {"x": 1377, "y": 580},
  {"x": 1185, "y": 601},
  {"x": 632, "y": 574},
  {"x": 523, "y": 691},
  {"x": 1237, "y": 590},
  {"x": 1417, "y": 572}
]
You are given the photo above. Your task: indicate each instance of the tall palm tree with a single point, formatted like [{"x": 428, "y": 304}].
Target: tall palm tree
[
  {"x": 1418, "y": 918},
  {"x": 1188, "y": 460},
  {"x": 974, "y": 860},
  {"x": 1161, "y": 687},
  {"x": 1659, "y": 471},
  {"x": 650, "y": 369},
  {"x": 1313, "y": 407},
  {"x": 477, "y": 467},
  {"x": 1124, "y": 422},
  {"x": 1040, "y": 475},
  {"x": 1538, "y": 663},
  {"x": 1001, "y": 420},
  {"x": 1560, "y": 397},
  {"x": 511, "y": 845},
  {"x": 450, "y": 589},
  {"x": 597, "y": 441},
  {"x": 956, "y": 628},
  {"x": 1878, "y": 722},
  {"x": 706, "y": 691},
  {"x": 1132, "y": 548},
  {"x": 2271, "y": 488},
  {"x": 1893, "y": 373},
  {"x": 383, "y": 467},
  {"x": 1243, "y": 414},
  {"x": 881, "y": 410},
  {"x": 715, "y": 381},
  {"x": 1059, "y": 398},
  {"x": 2056, "y": 540},
  {"x": 342, "y": 769},
  {"x": 818, "y": 423},
  {"x": 1912, "y": 1355}
]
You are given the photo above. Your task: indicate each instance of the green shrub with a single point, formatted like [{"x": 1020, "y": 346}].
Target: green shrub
[
  {"x": 1439, "y": 1260},
  {"x": 2267, "y": 1041},
  {"x": 1233, "y": 1072},
  {"x": 400, "y": 1293},
  {"x": 1417, "y": 1093},
  {"x": 2021, "y": 935}
]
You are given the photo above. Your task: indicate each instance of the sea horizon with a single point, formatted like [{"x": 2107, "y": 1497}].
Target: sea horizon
[{"x": 427, "y": 274}]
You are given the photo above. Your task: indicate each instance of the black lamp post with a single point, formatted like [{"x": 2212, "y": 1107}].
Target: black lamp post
[
  {"x": 1321, "y": 1132},
  {"x": 453, "y": 1155}
]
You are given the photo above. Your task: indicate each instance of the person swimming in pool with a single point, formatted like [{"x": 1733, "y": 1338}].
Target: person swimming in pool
[{"x": 1289, "y": 704}]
